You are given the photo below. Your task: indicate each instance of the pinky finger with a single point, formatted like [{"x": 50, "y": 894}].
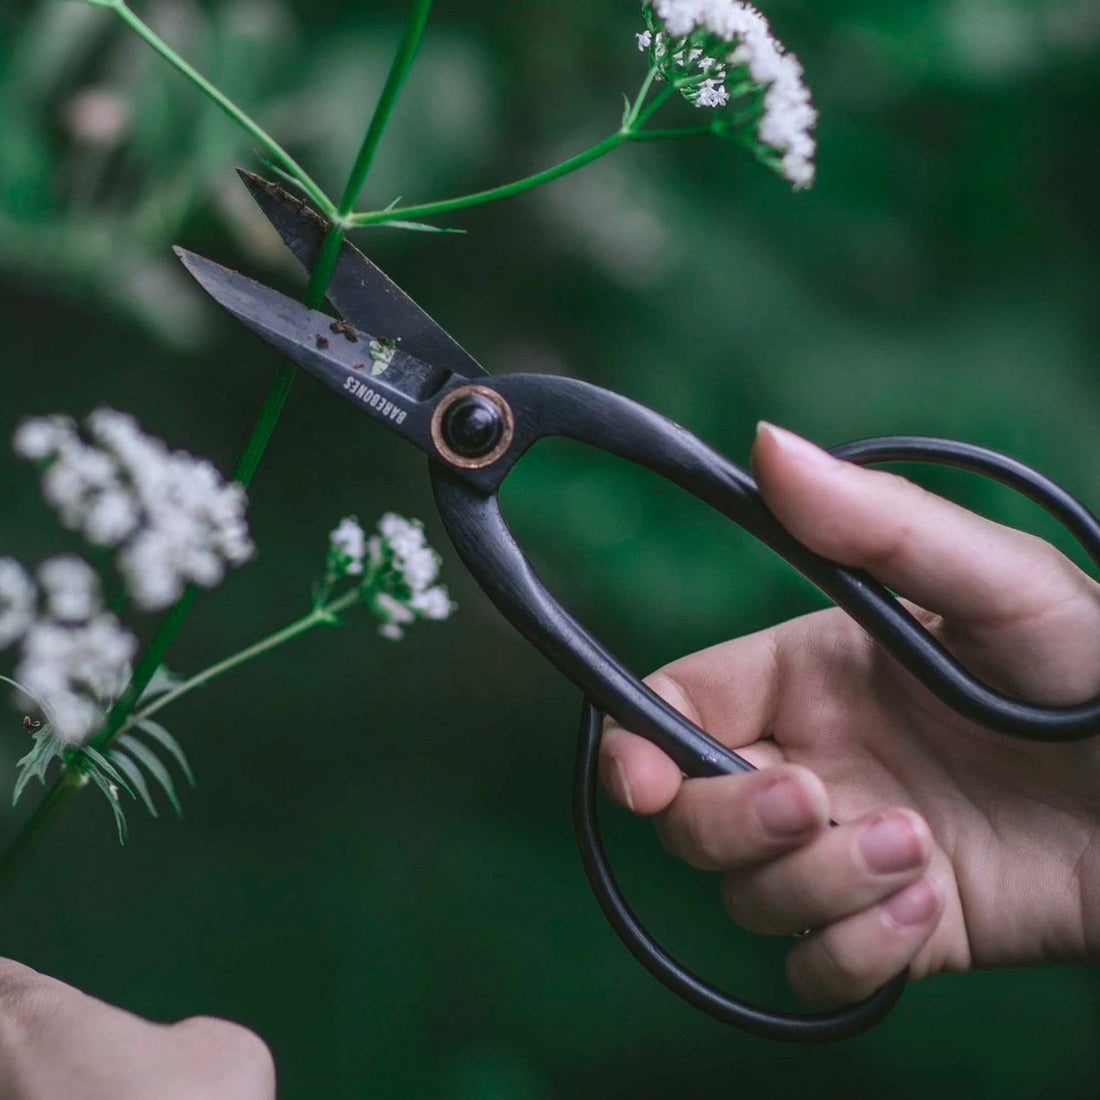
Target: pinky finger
[{"x": 844, "y": 962}]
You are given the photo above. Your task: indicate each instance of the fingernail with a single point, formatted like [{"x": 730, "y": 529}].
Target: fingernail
[
  {"x": 891, "y": 844},
  {"x": 623, "y": 785},
  {"x": 794, "y": 445},
  {"x": 913, "y": 905},
  {"x": 785, "y": 809}
]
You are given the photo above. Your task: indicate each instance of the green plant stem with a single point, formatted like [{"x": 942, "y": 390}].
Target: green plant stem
[
  {"x": 630, "y": 130},
  {"x": 71, "y": 779},
  {"x": 639, "y": 99},
  {"x": 399, "y": 69},
  {"x": 319, "y": 616},
  {"x": 37, "y": 825},
  {"x": 225, "y": 104},
  {"x": 378, "y": 217},
  {"x": 338, "y": 223}
]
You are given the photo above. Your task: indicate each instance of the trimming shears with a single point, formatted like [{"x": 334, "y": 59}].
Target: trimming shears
[{"x": 474, "y": 428}]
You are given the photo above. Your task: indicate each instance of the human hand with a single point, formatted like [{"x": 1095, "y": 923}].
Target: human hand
[
  {"x": 58, "y": 1042},
  {"x": 957, "y": 847}
]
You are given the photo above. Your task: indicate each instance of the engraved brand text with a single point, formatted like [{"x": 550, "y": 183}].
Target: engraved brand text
[{"x": 381, "y": 405}]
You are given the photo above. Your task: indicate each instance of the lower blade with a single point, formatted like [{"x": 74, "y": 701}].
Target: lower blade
[{"x": 363, "y": 293}]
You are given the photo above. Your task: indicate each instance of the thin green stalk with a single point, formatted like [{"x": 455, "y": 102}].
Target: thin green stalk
[
  {"x": 637, "y": 115},
  {"x": 319, "y": 616},
  {"x": 639, "y": 99},
  {"x": 655, "y": 104},
  {"x": 322, "y": 271},
  {"x": 334, "y": 237},
  {"x": 399, "y": 69},
  {"x": 70, "y": 780},
  {"x": 225, "y": 104},
  {"x": 37, "y": 825},
  {"x": 378, "y": 217}
]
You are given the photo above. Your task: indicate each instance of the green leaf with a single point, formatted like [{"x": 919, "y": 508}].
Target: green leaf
[
  {"x": 112, "y": 800},
  {"x": 153, "y": 766},
  {"x": 163, "y": 681},
  {"x": 47, "y": 747},
  {"x": 168, "y": 742},
  {"x": 100, "y": 762},
  {"x": 419, "y": 227},
  {"x": 133, "y": 773}
]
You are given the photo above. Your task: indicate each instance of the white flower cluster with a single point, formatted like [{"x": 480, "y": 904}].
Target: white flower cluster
[
  {"x": 399, "y": 563},
  {"x": 788, "y": 115},
  {"x": 75, "y": 657},
  {"x": 174, "y": 519}
]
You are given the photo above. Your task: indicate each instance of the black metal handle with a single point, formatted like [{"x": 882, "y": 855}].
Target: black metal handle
[
  {"x": 552, "y": 406},
  {"x": 789, "y": 1027}
]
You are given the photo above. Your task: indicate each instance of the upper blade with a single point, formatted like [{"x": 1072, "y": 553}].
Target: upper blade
[
  {"x": 362, "y": 292},
  {"x": 394, "y": 387}
]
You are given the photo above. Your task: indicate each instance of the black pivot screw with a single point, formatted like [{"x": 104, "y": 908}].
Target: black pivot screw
[{"x": 473, "y": 426}]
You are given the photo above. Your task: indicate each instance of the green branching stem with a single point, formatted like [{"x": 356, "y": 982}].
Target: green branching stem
[
  {"x": 411, "y": 213},
  {"x": 225, "y": 104},
  {"x": 322, "y": 615},
  {"x": 338, "y": 220},
  {"x": 634, "y": 119},
  {"x": 38, "y": 824},
  {"x": 399, "y": 69},
  {"x": 72, "y": 779},
  {"x": 341, "y": 220}
]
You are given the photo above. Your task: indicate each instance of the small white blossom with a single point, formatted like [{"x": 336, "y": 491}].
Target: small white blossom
[
  {"x": 435, "y": 603},
  {"x": 173, "y": 518},
  {"x": 788, "y": 115},
  {"x": 711, "y": 93},
  {"x": 71, "y": 587},
  {"x": 644, "y": 40},
  {"x": 411, "y": 570},
  {"x": 75, "y": 659},
  {"x": 349, "y": 542},
  {"x": 17, "y": 602},
  {"x": 394, "y": 615},
  {"x": 42, "y": 437}
]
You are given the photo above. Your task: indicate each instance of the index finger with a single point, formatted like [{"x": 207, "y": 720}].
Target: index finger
[{"x": 730, "y": 690}]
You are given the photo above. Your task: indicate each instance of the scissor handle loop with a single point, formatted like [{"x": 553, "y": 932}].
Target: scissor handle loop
[
  {"x": 553, "y": 406},
  {"x": 790, "y": 1027}
]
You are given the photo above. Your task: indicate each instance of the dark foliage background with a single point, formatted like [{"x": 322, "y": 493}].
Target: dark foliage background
[{"x": 376, "y": 871}]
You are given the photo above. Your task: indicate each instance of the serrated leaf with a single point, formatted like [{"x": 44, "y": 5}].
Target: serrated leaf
[
  {"x": 47, "y": 747},
  {"x": 419, "y": 227},
  {"x": 112, "y": 799},
  {"x": 168, "y": 742},
  {"x": 153, "y": 765},
  {"x": 103, "y": 764},
  {"x": 133, "y": 773}
]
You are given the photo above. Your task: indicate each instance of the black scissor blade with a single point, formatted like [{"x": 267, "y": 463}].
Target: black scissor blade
[
  {"x": 393, "y": 387},
  {"x": 362, "y": 292}
]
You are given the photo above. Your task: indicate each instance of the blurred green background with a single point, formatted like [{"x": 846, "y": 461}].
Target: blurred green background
[{"x": 376, "y": 871}]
